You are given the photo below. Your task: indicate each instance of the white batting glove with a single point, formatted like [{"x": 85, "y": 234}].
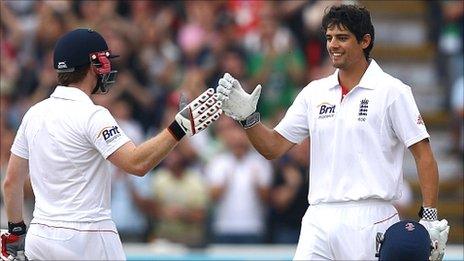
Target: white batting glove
[
  {"x": 438, "y": 231},
  {"x": 236, "y": 103},
  {"x": 197, "y": 115}
]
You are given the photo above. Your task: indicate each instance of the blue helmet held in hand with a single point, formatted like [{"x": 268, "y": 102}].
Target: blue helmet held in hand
[{"x": 404, "y": 240}]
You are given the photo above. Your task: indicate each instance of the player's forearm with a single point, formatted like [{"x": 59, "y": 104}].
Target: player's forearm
[
  {"x": 264, "y": 141},
  {"x": 13, "y": 187},
  {"x": 13, "y": 196},
  {"x": 150, "y": 153},
  {"x": 428, "y": 178}
]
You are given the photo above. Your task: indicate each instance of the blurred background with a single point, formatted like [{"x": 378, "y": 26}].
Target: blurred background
[{"x": 214, "y": 197}]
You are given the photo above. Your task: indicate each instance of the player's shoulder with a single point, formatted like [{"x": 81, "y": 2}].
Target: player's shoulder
[
  {"x": 320, "y": 84},
  {"x": 36, "y": 109},
  {"x": 386, "y": 81},
  {"x": 317, "y": 88},
  {"x": 394, "y": 85},
  {"x": 97, "y": 110}
]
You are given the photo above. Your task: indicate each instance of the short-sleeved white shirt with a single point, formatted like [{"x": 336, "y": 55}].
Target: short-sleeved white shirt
[
  {"x": 358, "y": 143},
  {"x": 239, "y": 211},
  {"x": 66, "y": 139}
]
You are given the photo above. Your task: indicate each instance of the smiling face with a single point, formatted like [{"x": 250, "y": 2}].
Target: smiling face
[{"x": 343, "y": 48}]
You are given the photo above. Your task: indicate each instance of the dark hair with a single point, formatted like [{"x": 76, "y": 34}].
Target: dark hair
[
  {"x": 355, "y": 18},
  {"x": 76, "y": 76}
]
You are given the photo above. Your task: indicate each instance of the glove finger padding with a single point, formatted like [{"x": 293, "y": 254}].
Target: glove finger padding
[
  {"x": 201, "y": 99},
  {"x": 212, "y": 102},
  {"x": 237, "y": 103},
  {"x": 197, "y": 115},
  {"x": 206, "y": 119},
  {"x": 438, "y": 231}
]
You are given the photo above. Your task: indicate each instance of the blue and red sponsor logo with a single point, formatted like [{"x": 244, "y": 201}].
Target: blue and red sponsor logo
[
  {"x": 109, "y": 133},
  {"x": 326, "y": 110}
]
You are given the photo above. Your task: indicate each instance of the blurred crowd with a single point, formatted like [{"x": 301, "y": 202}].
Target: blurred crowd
[{"x": 214, "y": 187}]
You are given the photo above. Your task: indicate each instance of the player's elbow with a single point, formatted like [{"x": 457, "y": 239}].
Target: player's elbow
[
  {"x": 140, "y": 170},
  {"x": 10, "y": 185},
  {"x": 270, "y": 155}
]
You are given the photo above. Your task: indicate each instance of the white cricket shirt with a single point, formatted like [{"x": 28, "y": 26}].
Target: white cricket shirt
[
  {"x": 358, "y": 143},
  {"x": 66, "y": 139},
  {"x": 240, "y": 210}
]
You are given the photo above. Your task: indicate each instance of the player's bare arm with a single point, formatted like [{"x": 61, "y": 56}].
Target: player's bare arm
[
  {"x": 427, "y": 171},
  {"x": 138, "y": 160},
  {"x": 192, "y": 118},
  {"x": 268, "y": 142},
  {"x": 13, "y": 242},
  {"x": 241, "y": 106},
  {"x": 16, "y": 175}
]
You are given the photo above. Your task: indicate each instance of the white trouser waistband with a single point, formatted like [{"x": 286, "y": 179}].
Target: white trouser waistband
[{"x": 354, "y": 203}]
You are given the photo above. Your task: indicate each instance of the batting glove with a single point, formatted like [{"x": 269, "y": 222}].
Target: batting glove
[
  {"x": 236, "y": 103},
  {"x": 13, "y": 242},
  {"x": 197, "y": 115},
  {"x": 438, "y": 231}
]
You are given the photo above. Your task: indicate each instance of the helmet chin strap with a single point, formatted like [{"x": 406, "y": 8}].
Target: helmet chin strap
[
  {"x": 101, "y": 87},
  {"x": 104, "y": 81}
]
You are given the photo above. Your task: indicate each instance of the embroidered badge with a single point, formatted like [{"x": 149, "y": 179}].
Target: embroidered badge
[
  {"x": 363, "y": 107},
  {"x": 409, "y": 226}
]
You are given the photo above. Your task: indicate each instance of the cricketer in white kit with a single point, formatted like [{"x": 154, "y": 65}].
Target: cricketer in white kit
[
  {"x": 359, "y": 121},
  {"x": 65, "y": 143}
]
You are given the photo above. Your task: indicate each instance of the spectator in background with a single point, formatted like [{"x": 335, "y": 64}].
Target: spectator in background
[
  {"x": 289, "y": 195},
  {"x": 246, "y": 16},
  {"x": 240, "y": 181},
  {"x": 159, "y": 56},
  {"x": 274, "y": 61},
  {"x": 47, "y": 80},
  {"x": 314, "y": 44},
  {"x": 446, "y": 31},
  {"x": 457, "y": 107},
  {"x": 233, "y": 59},
  {"x": 181, "y": 201},
  {"x": 130, "y": 219}
]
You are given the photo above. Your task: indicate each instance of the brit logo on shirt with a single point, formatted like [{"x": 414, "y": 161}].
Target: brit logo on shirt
[
  {"x": 363, "y": 107},
  {"x": 109, "y": 133},
  {"x": 326, "y": 110}
]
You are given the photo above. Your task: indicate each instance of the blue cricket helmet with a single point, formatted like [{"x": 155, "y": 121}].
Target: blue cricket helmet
[
  {"x": 405, "y": 240},
  {"x": 81, "y": 47},
  {"x": 73, "y": 49}
]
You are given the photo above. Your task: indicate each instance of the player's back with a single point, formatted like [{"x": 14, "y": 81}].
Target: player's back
[{"x": 68, "y": 174}]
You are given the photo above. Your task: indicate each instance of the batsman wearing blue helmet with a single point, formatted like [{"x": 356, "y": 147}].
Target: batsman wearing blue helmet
[{"x": 65, "y": 142}]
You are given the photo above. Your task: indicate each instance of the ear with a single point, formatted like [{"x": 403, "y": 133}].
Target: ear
[{"x": 365, "y": 41}]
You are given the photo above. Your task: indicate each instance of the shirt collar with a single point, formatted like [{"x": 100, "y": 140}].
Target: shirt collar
[
  {"x": 70, "y": 93},
  {"x": 368, "y": 80}
]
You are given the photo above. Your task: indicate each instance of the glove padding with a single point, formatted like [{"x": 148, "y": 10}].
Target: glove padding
[
  {"x": 12, "y": 247},
  {"x": 236, "y": 103},
  {"x": 438, "y": 231},
  {"x": 197, "y": 115}
]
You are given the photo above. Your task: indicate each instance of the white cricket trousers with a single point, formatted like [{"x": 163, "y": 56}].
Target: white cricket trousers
[
  {"x": 52, "y": 240},
  {"x": 343, "y": 231}
]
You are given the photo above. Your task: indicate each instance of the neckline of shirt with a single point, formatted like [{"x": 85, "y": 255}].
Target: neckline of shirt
[{"x": 70, "y": 93}]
